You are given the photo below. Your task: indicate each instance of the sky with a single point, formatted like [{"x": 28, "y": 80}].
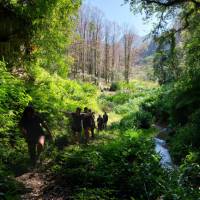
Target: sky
[{"x": 115, "y": 10}]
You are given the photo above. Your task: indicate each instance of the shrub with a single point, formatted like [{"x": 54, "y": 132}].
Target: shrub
[
  {"x": 187, "y": 138},
  {"x": 114, "y": 86},
  {"x": 139, "y": 120},
  {"x": 13, "y": 99},
  {"x": 9, "y": 187},
  {"x": 143, "y": 119},
  {"x": 185, "y": 99}
]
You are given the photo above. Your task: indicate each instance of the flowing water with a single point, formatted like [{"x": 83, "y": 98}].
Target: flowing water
[{"x": 161, "y": 148}]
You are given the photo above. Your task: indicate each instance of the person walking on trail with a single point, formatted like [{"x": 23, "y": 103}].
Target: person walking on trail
[
  {"x": 93, "y": 126},
  {"x": 100, "y": 123},
  {"x": 76, "y": 124},
  {"x": 32, "y": 128},
  {"x": 105, "y": 120},
  {"x": 86, "y": 123}
]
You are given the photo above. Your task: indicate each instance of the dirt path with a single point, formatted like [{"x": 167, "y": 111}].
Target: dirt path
[
  {"x": 40, "y": 186},
  {"x": 34, "y": 183}
]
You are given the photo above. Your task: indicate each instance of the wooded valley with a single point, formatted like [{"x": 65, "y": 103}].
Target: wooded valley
[{"x": 60, "y": 56}]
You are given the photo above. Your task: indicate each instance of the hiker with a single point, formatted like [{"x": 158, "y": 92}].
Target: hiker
[
  {"x": 86, "y": 123},
  {"x": 76, "y": 124},
  {"x": 32, "y": 128},
  {"x": 100, "y": 123},
  {"x": 92, "y": 118},
  {"x": 105, "y": 120}
]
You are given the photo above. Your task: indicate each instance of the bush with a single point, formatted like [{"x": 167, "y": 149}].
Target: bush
[
  {"x": 144, "y": 120},
  {"x": 114, "y": 86},
  {"x": 186, "y": 99},
  {"x": 187, "y": 138},
  {"x": 136, "y": 120},
  {"x": 13, "y": 99},
  {"x": 9, "y": 187},
  {"x": 159, "y": 103}
]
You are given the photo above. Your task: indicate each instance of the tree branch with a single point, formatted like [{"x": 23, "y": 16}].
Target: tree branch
[
  {"x": 172, "y": 2},
  {"x": 167, "y": 3}
]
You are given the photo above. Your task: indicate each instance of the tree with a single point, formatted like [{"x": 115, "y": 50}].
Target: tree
[
  {"x": 166, "y": 64},
  {"x": 87, "y": 43},
  {"x": 128, "y": 39},
  {"x": 98, "y": 51},
  {"x": 165, "y": 10},
  {"x": 180, "y": 14},
  {"x": 115, "y": 33},
  {"x": 107, "y": 52},
  {"x": 82, "y": 31},
  {"x": 47, "y": 27}
]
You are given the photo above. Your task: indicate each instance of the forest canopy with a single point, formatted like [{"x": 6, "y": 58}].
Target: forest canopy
[{"x": 47, "y": 28}]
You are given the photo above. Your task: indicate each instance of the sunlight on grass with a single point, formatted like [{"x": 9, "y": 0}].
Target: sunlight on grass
[
  {"x": 152, "y": 132},
  {"x": 113, "y": 118}
]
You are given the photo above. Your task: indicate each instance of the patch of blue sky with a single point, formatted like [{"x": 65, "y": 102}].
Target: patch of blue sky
[{"x": 117, "y": 11}]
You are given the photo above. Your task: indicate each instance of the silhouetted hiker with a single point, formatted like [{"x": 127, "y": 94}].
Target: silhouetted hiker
[
  {"x": 76, "y": 124},
  {"x": 92, "y": 118},
  {"x": 86, "y": 123},
  {"x": 105, "y": 120},
  {"x": 32, "y": 128},
  {"x": 100, "y": 123}
]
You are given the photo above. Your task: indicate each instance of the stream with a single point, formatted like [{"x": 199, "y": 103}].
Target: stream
[{"x": 162, "y": 150}]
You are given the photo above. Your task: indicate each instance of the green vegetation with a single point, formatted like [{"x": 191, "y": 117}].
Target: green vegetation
[
  {"x": 114, "y": 168},
  {"x": 114, "y": 86},
  {"x": 121, "y": 162}
]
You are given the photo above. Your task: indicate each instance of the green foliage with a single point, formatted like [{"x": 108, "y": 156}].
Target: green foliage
[
  {"x": 119, "y": 98},
  {"x": 94, "y": 194},
  {"x": 51, "y": 95},
  {"x": 137, "y": 120},
  {"x": 159, "y": 103},
  {"x": 192, "y": 48},
  {"x": 189, "y": 178},
  {"x": 48, "y": 30},
  {"x": 128, "y": 98},
  {"x": 121, "y": 169},
  {"x": 190, "y": 172},
  {"x": 43, "y": 63},
  {"x": 13, "y": 99},
  {"x": 185, "y": 101},
  {"x": 186, "y": 139},
  {"x": 126, "y": 168},
  {"x": 9, "y": 188},
  {"x": 166, "y": 66},
  {"x": 114, "y": 86}
]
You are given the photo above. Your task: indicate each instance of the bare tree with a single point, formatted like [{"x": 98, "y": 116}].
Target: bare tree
[
  {"x": 128, "y": 39},
  {"x": 107, "y": 52},
  {"x": 115, "y": 35},
  {"x": 101, "y": 49}
]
